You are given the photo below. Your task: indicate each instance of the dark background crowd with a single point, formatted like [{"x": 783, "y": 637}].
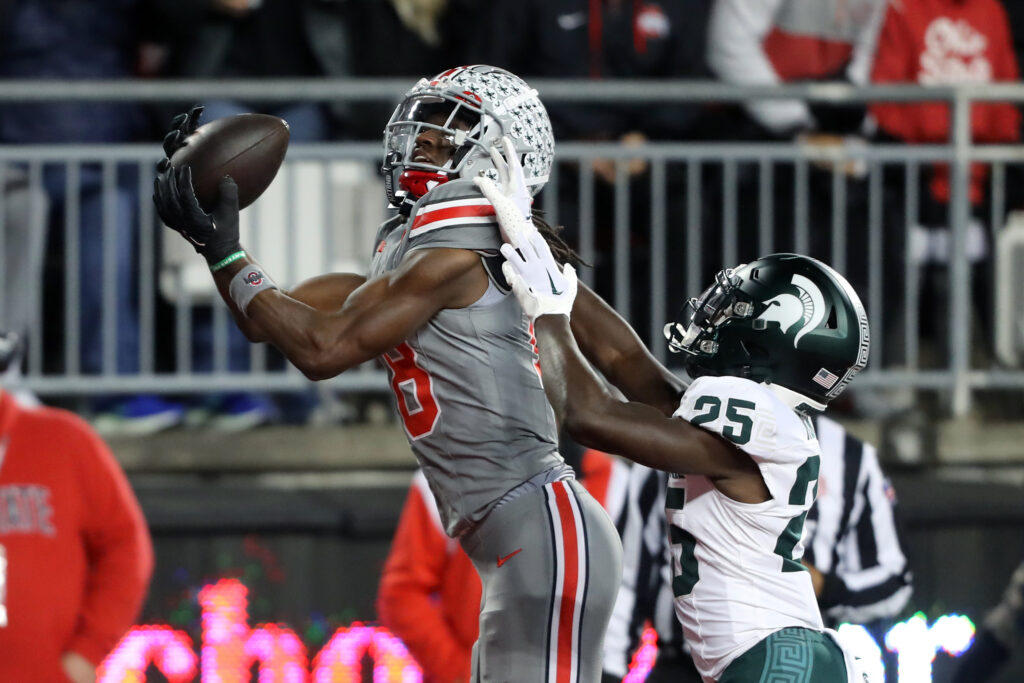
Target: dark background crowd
[
  {"x": 741, "y": 42},
  {"x": 92, "y": 208}
]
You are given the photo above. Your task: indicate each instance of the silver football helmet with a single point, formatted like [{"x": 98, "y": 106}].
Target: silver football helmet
[{"x": 487, "y": 103}]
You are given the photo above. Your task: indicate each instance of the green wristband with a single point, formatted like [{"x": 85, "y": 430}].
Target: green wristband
[{"x": 226, "y": 260}]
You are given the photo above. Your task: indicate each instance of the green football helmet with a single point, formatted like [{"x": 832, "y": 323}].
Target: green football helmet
[{"x": 785, "y": 319}]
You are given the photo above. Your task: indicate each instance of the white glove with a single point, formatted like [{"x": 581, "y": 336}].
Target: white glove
[
  {"x": 513, "y": 204},
  {"x": 537, "y": 282},
  {"x": 541, "y": 285}
]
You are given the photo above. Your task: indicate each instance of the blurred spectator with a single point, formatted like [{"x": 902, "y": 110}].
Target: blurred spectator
[
  {"x": 768, "y": 42},
  {"x": 76, "y": 39},
  {"x": 429, "y": 594},
  {"x": 407, "y": 38},
  {"x": 75, "y": 553},
  {"x": 851, "y": 547},
  {"x": 1000, "y": 637},
  {"x": 25, "y": 208},
  {"x": 261, "y": 39},
  {"x": 255, "y": 39},
  {"x": 601, "y": 39},
  {"x": 945, "y": 42},
  {"x": 614, "y": 39}
]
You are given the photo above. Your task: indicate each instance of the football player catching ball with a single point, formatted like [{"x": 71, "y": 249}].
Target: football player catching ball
[{"x": 438, "y": 313}]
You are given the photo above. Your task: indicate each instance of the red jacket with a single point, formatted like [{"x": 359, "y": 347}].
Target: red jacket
[
  {"x": 78, "y": 551},
  {"x": 429, "y": 594},
  {"x": 939, "y": 42}
]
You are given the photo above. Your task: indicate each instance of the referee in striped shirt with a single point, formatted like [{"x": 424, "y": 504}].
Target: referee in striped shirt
[{"x": 852, "y": 550}]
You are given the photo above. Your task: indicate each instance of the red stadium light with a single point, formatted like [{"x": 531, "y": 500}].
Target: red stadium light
[
  {"x": 169, "y": 650},
  {"x": 230, "y": 648},
  {"x": 644, "y": 657}
]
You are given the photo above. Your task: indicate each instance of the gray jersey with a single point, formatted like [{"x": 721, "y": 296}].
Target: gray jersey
[{"x": 467, "y": 384}]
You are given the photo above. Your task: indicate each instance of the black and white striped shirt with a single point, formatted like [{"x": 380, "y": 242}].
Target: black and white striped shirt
[
  {"x": 646, "y": 590},
  {"x": 850, "y": 536}
]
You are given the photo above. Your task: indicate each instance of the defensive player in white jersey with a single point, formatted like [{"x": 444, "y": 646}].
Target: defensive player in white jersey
[
  {"x": 438, "y": 313},
  {"x": 768, "y": 342}
]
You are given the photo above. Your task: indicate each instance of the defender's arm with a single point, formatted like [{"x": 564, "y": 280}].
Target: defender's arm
[
  {"x": 614, "y": 348},
  {"x": 636, "y": 431},
  {"x": 606, "y": 339}
]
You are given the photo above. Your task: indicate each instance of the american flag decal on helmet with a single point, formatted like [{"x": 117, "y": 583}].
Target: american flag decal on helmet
[{"x": 826, "y": 378}]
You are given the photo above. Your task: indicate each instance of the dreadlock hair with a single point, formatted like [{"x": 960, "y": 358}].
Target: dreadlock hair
[{"x": 560, "y": 249}]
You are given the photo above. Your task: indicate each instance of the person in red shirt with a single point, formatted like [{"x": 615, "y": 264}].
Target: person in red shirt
[
  {"x": 75, "y": 552},
  {"x": 429, "y": 593},
  {"x": 944, "y": 42}
]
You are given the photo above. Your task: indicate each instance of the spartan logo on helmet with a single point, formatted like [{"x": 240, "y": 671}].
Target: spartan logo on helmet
[{"x": 787, "y": 309}]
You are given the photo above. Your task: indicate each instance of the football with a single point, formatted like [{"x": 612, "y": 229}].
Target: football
[{"x": 247, "y": 147}]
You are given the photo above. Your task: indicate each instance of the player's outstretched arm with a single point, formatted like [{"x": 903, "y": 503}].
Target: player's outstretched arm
[
  {"x": 636, "y": 431},
  {"x": 215, "y": 235},
  {"x": 613, "y": 347},
  {"x": 320, "y": 337},
  {"x": 325, "y": 293},
  {"x": 375, "y": 317},
  {"x": 591, "y": 415},
  {"x": 331, "y": 323}
]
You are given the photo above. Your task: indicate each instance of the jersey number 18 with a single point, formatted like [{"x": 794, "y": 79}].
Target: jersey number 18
[{"x": 414, "y": 391}]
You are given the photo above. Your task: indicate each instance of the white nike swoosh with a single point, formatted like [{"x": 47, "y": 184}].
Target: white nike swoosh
[{"x": 569, "y": 22}]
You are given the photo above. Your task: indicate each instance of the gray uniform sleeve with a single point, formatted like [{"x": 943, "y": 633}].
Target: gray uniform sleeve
[{"x": 455, "y": 216}]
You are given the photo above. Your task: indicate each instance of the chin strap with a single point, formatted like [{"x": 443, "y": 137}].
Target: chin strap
[
  {"x": 417, "y": 183},
  {"x": 794, "y": 400}
]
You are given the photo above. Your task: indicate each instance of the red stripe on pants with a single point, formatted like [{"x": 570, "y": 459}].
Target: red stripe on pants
[{"x": 566, "y": 625}]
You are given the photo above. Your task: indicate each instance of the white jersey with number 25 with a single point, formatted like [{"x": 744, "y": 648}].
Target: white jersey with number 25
[{"x": 736, "y": 566}]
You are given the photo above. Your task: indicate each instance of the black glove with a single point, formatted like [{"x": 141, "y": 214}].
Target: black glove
[
  {"x": 182, "y": 126},
  {"x": 215, "y": 234}
]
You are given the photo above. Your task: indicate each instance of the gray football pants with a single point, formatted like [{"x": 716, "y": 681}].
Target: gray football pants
[{"x": 550, "y": 562}]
